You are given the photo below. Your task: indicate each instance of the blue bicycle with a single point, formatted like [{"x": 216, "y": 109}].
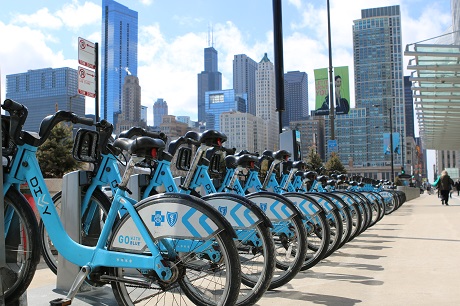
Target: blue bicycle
[
  {"x": 254, "y": 242},
  {"x": 170, "y": 249}
]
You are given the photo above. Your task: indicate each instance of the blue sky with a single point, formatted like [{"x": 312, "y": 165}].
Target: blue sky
[{"x": 173, "y": 33}]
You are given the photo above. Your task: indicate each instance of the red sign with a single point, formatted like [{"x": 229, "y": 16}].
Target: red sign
[
  {"x": 86, "y": 53},
  {"x": 86, "y": 82}
]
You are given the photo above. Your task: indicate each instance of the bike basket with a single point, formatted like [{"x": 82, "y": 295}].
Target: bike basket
[
  {"x": 85, "y": 146},
  {"x": 184, "y": 157}
]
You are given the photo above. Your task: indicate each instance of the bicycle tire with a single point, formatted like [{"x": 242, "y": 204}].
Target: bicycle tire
[
  {"x": 254, "y": 244},
  {"x": 365, "y": 209},
  {"x": 49, "y": 252},
  {"x": 317, "y": 229},
  {"x": 190, "y": 286},
  {"x": 375, "y": 208},
  {"x": 356, "y": 216},
  {"x": 257, "y": 262},
  {"x": 22, "y": 246},
  {"x": 291, "y": 250},
  {"x": 334, "y": 221},
  {"x": 345, "y": 215},
  {"x": 288, "y": 269}
]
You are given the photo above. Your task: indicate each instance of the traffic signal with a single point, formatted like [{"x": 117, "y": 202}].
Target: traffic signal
[{"x": 402, "y": 170}]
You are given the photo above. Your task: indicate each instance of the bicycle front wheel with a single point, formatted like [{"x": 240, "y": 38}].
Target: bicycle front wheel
[
  {"x": 197, "y": 279},
  {"x": 22, "y": 249}
]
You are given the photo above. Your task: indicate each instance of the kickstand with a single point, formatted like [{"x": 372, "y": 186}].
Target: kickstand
[{"x": 84, "y": 271}]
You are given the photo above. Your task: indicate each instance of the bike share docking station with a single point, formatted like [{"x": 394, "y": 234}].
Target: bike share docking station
[{"x": 71, "y": 220}]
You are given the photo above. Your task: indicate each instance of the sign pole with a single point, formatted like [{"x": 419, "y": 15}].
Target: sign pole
[
  {"x": 2, "y": 232},
  {"x": 96, "y": 100}
]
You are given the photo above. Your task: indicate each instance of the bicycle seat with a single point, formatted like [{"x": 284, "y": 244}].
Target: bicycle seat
[
  {"x": 323, "y": 179},
  {"x": 192, "y": 135},
  {"x": 246, "y": 161},
  {"x": 299, "y": 165},
  {"x": 281, "y": 155},
  {"x": 212, "y": 138},
  {"x": 310, "y": 175},
  {"x": 140, "y": 146}
]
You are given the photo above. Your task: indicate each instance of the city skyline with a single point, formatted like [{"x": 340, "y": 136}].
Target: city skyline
[
  {"x": 171, "y": 45},
  {"x": 44, "y": 34}
]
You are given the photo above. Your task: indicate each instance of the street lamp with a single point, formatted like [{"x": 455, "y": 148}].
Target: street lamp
[{"x": 391, "y": 142}]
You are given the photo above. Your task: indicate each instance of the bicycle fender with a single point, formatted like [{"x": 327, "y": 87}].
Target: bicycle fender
[
  {"x": 326, "y": 203},
  {"x": 238, "y": 210},
  {"x": 275, "y": 206},
  {"x": 307, "y": 205},
  {"x": 170, "y": 215}
]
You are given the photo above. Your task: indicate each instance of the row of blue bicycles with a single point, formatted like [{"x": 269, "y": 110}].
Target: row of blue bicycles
[{"x": 235, "y": 225}]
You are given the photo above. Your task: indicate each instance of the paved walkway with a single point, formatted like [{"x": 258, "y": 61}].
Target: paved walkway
[{"x": 410, "y": 257}]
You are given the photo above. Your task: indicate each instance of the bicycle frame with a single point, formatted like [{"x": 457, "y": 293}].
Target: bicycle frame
[{"x": 25, "y": 168}]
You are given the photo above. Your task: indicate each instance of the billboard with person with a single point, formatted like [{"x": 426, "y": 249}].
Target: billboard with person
[
  {"x": 341, "y": 91},
  {"x": 386, "y": 143}
]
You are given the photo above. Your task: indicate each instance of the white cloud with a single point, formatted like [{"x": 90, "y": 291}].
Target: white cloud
[
  {"x": 146, "y": 2},
  {"x": 296, "y": 3},
  {"x": 76, "y": 15},
  {"x": 169, "y": 69},
  {"x": 27, "y": 49},
  {"x": 41, "y": 19}
]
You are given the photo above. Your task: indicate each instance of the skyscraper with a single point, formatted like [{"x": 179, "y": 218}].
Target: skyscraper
[
  {"x": 160, "y": 109},
  {"x": 144, "y": 110},
  {"x": 378, "y": 71},
  {"x": 266, "y": 101},
  {"x": 296, "y": 96},
  {"x": 131, "y": 98},
  {"x": 118, "y": 55},
  {"x": 43, "y": 91},
  {"x": 208, "y": 80},
  {"x": 220, "y": 101},
  {"x": 244, "y": 79}
]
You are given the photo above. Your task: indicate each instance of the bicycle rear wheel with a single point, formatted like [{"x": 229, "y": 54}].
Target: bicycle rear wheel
[
  {"x": 92, "y": 219},
  {"x": 22, "y": 247},
  {"x": 316, "y": 226}
]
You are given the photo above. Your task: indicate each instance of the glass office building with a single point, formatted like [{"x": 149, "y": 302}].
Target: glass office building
[
  {"x": 118, "y": 55},
  {"x": 378, "y": 72},
  {"x": 244, "y": 79},
  {"x": 44, "y": 91},
  {"x": 160, "y": 109},
  {"x": 221, "y": 101},
  {"x": 296, "y": 96},
  {"x": 208, "y": 80}
]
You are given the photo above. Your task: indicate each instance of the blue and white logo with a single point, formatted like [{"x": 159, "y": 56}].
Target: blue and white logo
[
  {"x": 158, "y": 218},
  {"x": 172, "y": 218},
  {"x": 263, "y": 206},
  {"x": 223, "y": 210}
]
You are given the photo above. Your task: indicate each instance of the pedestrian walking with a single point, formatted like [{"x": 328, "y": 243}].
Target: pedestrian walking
[
  {"x": 444, "y": 184},
  {"x": 457, "y": 186}
]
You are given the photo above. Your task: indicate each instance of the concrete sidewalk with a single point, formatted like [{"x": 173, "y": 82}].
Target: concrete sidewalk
[{"x": 409, "y": 258}]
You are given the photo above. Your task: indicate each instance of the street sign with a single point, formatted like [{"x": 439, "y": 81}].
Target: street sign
[
  {"x": 86, "y": 53},
  {"x": 332, "y": 145},
  {"x": 86, "y": 82}
]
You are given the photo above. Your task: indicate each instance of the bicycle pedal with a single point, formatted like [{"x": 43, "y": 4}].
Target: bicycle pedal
[{"x": 61, "y": 302}]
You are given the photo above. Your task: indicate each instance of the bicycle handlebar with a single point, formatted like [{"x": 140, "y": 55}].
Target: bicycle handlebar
[
  {"x": 18, "y": 114},
  {"x": 138, "y": 131},
  {"x": 10, "y": 106}
]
